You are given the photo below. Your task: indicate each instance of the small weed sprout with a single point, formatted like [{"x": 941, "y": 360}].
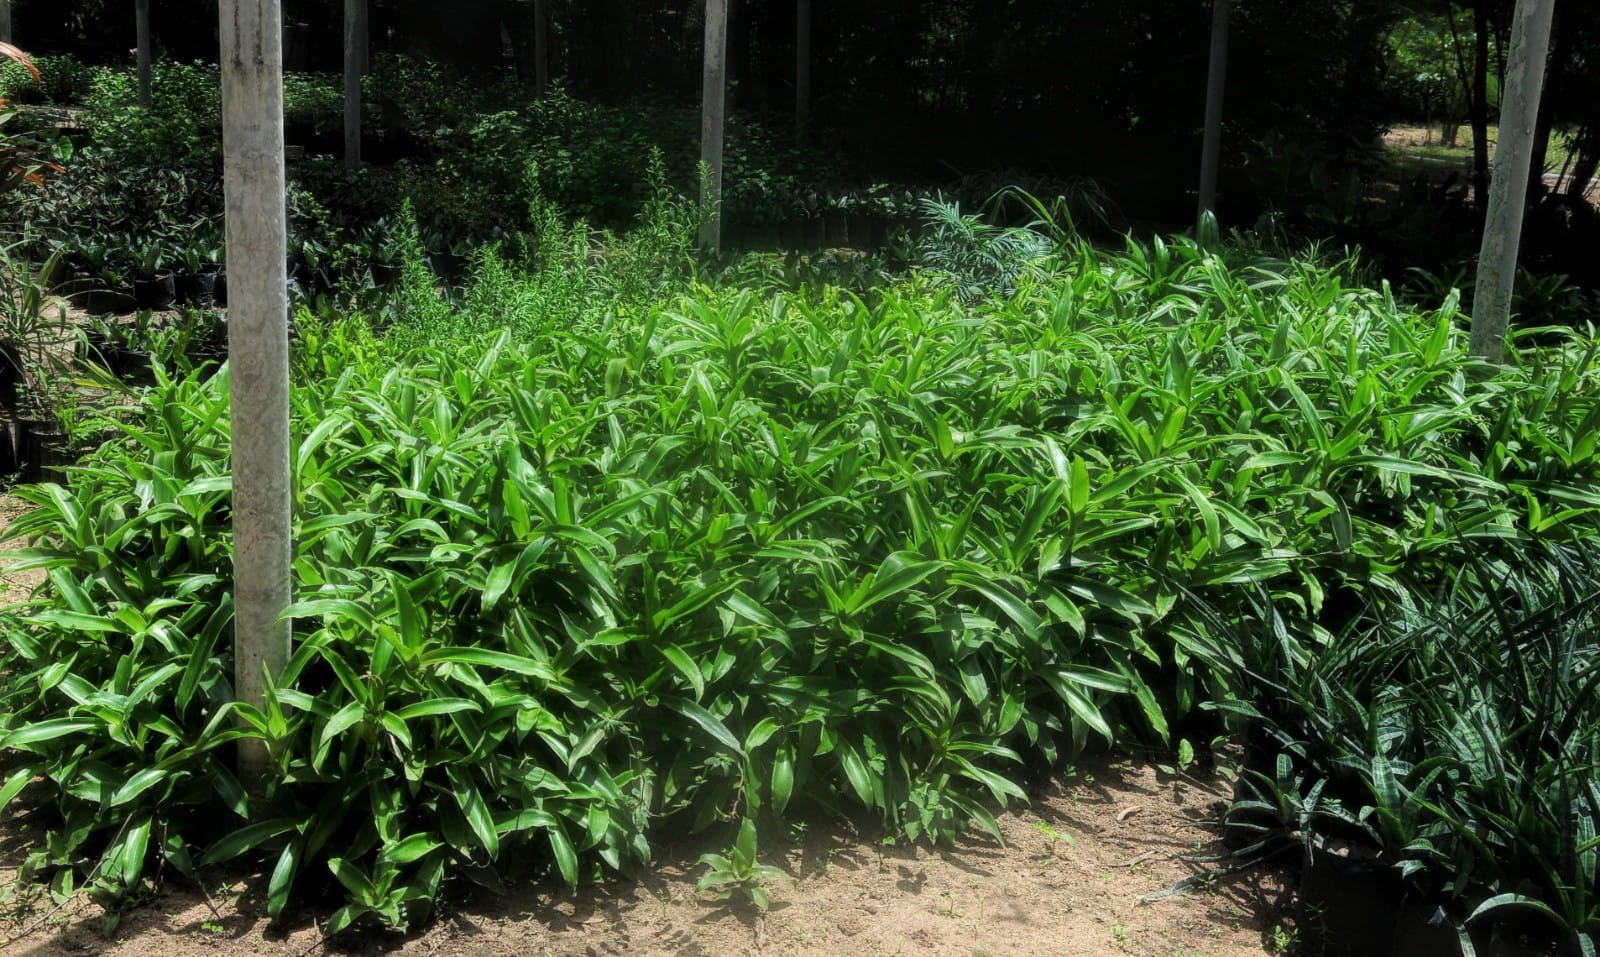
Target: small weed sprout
[{"x": 738, "y": 871}]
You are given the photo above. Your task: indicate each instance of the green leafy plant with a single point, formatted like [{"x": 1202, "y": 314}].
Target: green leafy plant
[
  {"x": 24, "y": 160},
  {"x": 575, "y": 571},
  {"x": 738, "y": 871}
]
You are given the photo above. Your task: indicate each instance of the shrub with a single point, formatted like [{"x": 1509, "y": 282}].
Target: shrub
[{"x": 685, "y": 566}]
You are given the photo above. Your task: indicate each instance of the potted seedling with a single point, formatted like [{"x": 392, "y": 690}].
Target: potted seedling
[
  {"x": 835, "y": 222},
  {"x": 122, "y": 348},
  {"x": 111, "y": 292},
  {"x": 154, "y": 286},
  {"x": 450, "y": 259},
  {"x": 197, "y": 282},
  {"x": 29, "y": 323}
]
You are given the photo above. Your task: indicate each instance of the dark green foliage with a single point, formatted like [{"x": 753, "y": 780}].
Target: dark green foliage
[
  {"x": 1458, "y": 732},
  {"x": 673, "y": 566}
]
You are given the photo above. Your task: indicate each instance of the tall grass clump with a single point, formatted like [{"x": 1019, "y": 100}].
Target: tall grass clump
[
  {"x": 559, "y": 274},
  {"x": 711, "y": 561}
]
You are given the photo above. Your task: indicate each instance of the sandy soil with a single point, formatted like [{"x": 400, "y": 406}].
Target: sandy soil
[
  {"x": 1111, "y": 835},
  {"x": 16, "y": 586}
]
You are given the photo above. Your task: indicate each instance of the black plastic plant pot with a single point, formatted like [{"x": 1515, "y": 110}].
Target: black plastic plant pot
[
  {"x": 761, "y": 237},
  {"x": 198, "y": 289},
  {"x": 45, "y": 454},
  {"x": 1518, "y": 935},
  {"x": 448, "y": 266},
  {"x": 791, "y": 233},
  {"x": 1349, "y": 904},
  {"x": 103, "y": 302},
  {"x": 12, "y": 446},
  {"x": 10, "y": 382},
  {"x": 157, "y": 292},
  {"x": 136, "y": 368},
  {"x": 1424, "y": 929},
  {"x": 836, "y": 226},
  {"x": 816, "y": 233},
  {"x": 385, "y": 274},
  {"x": 75, "y": 286},
  {"x": 861, "y": 231}
]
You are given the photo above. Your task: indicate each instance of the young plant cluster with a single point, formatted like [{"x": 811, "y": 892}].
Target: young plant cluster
[{"x": 706, "y": 563}]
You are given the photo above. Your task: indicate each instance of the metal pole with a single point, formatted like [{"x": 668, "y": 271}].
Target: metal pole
[
  {"x": 1508, "y": 190},
  {"x": 1216, "y": 81},
  {"x": 711, "y": 121},
  {"x": 258, "y": 345}
]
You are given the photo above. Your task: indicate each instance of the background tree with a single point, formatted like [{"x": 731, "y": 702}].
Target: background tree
[{"x": 1497, "y": 263}]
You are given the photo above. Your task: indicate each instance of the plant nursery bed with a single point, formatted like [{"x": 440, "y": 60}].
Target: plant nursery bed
[{"x": 1069, "y": 880}]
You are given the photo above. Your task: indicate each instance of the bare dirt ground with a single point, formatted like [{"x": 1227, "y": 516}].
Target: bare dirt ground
[
  {"x": 1422, "y": 148},
  {"x": 14, "y": 587},
  {"x": 1068, "y": 881}
]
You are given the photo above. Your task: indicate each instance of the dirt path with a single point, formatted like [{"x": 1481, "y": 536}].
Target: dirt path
[{"x": 1069, "y": 881}]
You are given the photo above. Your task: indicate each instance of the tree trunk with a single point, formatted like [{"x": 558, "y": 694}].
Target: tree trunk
[
  {"x": 5, "y": 21},
  {"x": 711, "y": 122},
  {"x": 1480, "y": 102},
  {"x": 802, "y": 69},
  {"x": 141, "y": 32},
  {"x": 1584, "y": 169},
  {"x": 1519, "y": 110},
  {"x": 541, "y": 47},
  {"x": 1216, "y": 82},
  {"x": 355, "y": 64},
  {"x": 258, "y": 344},
  {"x": 1545, "y": 126}
]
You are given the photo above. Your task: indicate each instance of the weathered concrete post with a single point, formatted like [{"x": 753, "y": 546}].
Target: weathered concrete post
[
  {"x": 5, "y": 21},
  {"x": 711, "y": 121},
  {"x": 1216, "y": 82},
  {"x": 258, "y": 345},
  {"x": 355, "y": 64},
  {"x": 141, "y": 32},
  {"x": 1508, "y": 191}
]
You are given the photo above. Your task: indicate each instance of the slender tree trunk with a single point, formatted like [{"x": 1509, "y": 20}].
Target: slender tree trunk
[
  {"x": 712, "y": 113},
  {"x": 5, "y": 21},
  {"x": 1216, "y": 82},
  {"x": 258, "y": 344},
  {"x": 802, "y": 69},
  {"x": 1480, "y": 102},
  {"x": 1463, "y": 76},
  {"x": 1584, "y": 169},
  {"x": 1545, "y": 126},
  {"x": 541, "y": 47},
  {"x": 355, "y": 64},
  {"x": 141, "y": 32},
  {"x": 1502, "y": 232}
]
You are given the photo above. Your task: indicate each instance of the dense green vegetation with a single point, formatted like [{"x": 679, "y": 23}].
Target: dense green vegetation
[
  {"x": 685, "y": 560},
  {"x": 600, "y": 539}
]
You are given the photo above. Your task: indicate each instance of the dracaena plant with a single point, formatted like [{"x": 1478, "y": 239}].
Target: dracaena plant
[{"x": 573, "y": 572}]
